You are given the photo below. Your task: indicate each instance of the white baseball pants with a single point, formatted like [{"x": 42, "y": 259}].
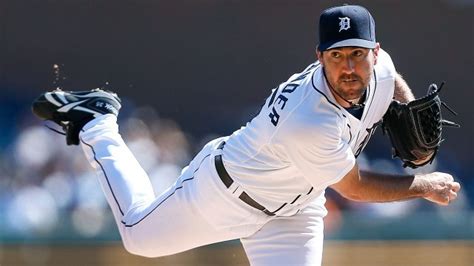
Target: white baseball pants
[{"x": 197, "y": 210}]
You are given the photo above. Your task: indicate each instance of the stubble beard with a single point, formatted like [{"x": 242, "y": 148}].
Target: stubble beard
[{"x": 351, "y": 87}]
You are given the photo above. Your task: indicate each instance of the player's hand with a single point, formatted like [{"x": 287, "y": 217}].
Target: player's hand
[
  {"x": 439, "y": 187},
  {"x": 425, "y": 159}
]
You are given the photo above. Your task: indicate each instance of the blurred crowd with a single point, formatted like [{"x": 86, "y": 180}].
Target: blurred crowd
[
  {"x": 42, "y": 179},
  {"x": 44, "y": 183}
]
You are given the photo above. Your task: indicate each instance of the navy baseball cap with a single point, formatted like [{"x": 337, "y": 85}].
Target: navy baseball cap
[{"x": 347, "y": 25}]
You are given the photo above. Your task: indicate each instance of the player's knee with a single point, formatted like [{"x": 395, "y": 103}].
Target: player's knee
[
  {"x": 134, "y": 249},
  {"x": 141, "y": 253},
  {"x": 149, "y": 247},
  {"x": 137, "y": 240},
  {"x": 148, "y": 252}
]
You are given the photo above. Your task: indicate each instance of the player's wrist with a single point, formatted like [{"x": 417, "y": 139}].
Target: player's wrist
[{"x": 421, "y": 186}]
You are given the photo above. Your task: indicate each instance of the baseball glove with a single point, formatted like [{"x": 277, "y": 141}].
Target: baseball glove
[{"x": 415, "y": 128}]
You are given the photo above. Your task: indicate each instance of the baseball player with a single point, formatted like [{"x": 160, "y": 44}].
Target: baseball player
[{"x": 265, "y": 183}]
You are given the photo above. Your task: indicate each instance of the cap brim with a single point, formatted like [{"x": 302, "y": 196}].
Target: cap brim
[{"x": 346, "y": 43}]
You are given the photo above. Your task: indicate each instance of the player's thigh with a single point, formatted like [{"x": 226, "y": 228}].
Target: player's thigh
[
  {"x": 171, "y": 225},
  {"x": 295, "y": 240},
  {"x": 195, "y": 211}
]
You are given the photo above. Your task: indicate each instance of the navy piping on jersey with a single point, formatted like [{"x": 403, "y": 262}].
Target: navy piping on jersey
[
  {"x": 373, "y": 96},
  {"x": 350, "y": 132},
  {"x": 115, "y": 198},
  {"x": 296, "y": 199},
  {"x": 159, "y": 204},
  {"x": 279, "y": 208},
  {"x": 371, "y": 100},
  {"x": 105, "y": 174},
  {"x": 181, "y": 186},
  {"x": 325, "y": 96}
]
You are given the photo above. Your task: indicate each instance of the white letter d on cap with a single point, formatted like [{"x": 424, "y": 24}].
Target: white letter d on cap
[{"x": 344, "y": 23}]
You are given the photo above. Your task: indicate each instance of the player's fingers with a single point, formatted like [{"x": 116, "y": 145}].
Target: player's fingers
[
  {"x": 455, "y": 186},
  {"x": 440, "y": 199},
  {"x": 452, "y": 195}
]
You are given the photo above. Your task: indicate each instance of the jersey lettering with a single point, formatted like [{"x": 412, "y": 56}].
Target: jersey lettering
[
  {"x": 272, "y": 98},
  {"x": 274, "y": 117},
  {"x": 282, "y": 98},
  {"x": 281, "y": 101},
  {"x": 289, "y": 88}
]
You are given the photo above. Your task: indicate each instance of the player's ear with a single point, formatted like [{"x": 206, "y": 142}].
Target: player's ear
[
  {"x": 319, "y": 55},
  {"x": 375, "y": 51}
]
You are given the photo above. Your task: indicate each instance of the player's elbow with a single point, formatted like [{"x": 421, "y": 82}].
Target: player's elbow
[
  {"x": 350, "y": 194},
  {"x": 354, "y": 197},
  {"x": 350, "y": 186}
]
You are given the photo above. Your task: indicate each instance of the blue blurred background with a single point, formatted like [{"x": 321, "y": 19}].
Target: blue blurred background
[{"x": 189, "y": 71}]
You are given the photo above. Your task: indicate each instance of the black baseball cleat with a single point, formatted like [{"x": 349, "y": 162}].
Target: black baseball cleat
[{"x": 73, "y": 109}]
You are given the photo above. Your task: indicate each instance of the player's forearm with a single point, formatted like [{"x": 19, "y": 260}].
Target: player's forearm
[
  {"x": 402, "y": 91},
  {"x": 376, "y": 187}
]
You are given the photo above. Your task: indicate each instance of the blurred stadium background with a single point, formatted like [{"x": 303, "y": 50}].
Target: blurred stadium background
[{"x": 192, "y": 70}]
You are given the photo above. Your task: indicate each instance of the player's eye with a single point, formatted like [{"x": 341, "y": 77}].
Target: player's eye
[
  {"x": 335, "y": 54},
  {"x": 358, "y": 53}
]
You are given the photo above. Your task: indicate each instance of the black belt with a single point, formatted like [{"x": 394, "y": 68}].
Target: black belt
[{"x": 228, "y": 181}]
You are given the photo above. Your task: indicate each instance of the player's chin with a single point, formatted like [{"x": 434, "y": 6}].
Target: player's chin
[{"x": 354, "y": 89}]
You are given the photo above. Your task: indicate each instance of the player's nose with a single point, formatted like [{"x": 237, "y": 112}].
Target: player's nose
[{"x": 348, "y": 65}]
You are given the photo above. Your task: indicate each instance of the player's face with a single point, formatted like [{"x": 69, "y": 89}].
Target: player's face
[{"x": 349, "y": 69}]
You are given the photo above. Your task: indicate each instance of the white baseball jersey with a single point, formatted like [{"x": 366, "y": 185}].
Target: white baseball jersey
[{"x": 302, "y": 140}]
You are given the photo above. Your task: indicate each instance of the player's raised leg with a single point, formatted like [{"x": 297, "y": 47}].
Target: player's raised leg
[
  {"x": 124, "y": 182},
  {"x": 181, "y": 218},
  {"x": 197, "y": 210}
]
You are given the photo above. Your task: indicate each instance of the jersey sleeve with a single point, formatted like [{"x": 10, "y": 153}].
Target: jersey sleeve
[{"x": 319, "y": 153}]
